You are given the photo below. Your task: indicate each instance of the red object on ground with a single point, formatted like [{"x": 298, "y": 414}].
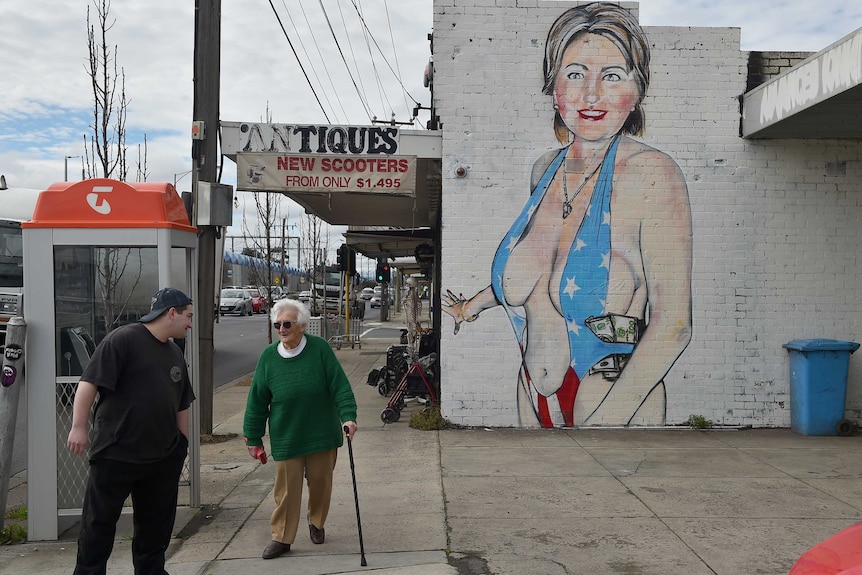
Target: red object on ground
[{"x": 840, "y": 554}]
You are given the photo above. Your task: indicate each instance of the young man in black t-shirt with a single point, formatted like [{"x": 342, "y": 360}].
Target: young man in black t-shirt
[{"x": 140, "y": 442}]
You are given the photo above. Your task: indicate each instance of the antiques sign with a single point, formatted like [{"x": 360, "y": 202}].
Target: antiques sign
[{"x": 325, "y": 159}]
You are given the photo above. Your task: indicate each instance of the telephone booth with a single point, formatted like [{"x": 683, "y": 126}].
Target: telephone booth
[{"x": 94, "y": 254}]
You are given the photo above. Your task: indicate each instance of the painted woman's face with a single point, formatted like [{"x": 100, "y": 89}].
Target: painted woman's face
[{"x": 593, "y": 91}]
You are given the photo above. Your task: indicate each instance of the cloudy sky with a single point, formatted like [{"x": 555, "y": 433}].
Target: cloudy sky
[{"x": 46, "y": 100}]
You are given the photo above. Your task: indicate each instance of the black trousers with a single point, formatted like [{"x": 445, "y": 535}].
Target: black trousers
[{"x": 153, "y": 487}]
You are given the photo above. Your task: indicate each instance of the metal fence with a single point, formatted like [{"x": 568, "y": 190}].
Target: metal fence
[
  {"x": 335, "y": 330},
  {"x": 72, "y": 470}
]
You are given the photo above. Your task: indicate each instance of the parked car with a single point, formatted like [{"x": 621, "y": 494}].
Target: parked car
[
  {"x": 304, "y": 296},
  {"x": 378, "y": 293},
  {"x": 259, "y": 303},
  {"x": 275, "y": 294},
  {"x": 234, "y": 300},
  {"x": 366, "y": 293}
]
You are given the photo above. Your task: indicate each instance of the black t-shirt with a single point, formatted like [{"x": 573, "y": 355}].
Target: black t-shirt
[{"x": 143, "y": 383}]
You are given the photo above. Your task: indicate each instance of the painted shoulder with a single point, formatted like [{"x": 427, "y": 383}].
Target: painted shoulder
[{"x": 540, "y": 166}]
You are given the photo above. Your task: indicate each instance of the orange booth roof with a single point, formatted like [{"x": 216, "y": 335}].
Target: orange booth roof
[{"x": 104, "y": 203}]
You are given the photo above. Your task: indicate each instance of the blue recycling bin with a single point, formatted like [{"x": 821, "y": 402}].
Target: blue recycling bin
[{"x": 818, "y": 385}]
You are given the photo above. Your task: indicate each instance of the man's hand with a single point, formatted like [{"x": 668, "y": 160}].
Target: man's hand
[
  {"x": 77, "y": 442},
  {"x": 351, "y": 429},
  {"x": 85, "y": 395}
]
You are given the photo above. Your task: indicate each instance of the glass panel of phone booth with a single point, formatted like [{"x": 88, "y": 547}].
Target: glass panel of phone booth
[{"x": 97, "y": 289}]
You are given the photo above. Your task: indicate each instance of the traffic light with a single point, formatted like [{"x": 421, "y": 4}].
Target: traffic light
[
  {"x": 351, "y": 259},
  {"x": 346, "y": 259},
  {"x": 384, "y": 274}
]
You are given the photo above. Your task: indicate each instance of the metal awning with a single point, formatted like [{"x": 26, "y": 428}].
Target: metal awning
[
  {"x": 417, "y": 211},
  {"x": 388, "y": 244},
  {"x": 818, "y": 98}
]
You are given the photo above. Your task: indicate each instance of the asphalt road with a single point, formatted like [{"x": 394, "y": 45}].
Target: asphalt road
[{"x": 237, "y": 342}]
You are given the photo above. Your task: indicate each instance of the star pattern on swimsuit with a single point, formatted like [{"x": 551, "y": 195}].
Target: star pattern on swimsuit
[
  {"x": 573, "y": 326},
  {"x": 571, "y": 287},
  {"x": 513, "y": 241},
  {"x": 606, "y": 261},
  {"x": 606, "y": 218},
  {"x": 580, "y": 244}
]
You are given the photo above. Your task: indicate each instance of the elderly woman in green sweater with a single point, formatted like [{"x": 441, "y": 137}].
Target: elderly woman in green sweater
[{"x": 301, "y": 389}]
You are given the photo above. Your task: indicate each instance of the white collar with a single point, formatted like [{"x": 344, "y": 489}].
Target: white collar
[{"x": 288, "y": 353}]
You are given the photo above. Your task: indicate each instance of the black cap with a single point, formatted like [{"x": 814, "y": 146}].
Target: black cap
[{"x": 163, "y": 300}]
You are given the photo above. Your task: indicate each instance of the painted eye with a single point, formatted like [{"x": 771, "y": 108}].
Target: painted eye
[
  {"x": 612, "y": 77},
  {"x": 575, "y": 76}
]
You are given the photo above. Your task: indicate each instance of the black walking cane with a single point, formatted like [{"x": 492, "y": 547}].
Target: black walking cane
[{"x": 355, "y": 496}]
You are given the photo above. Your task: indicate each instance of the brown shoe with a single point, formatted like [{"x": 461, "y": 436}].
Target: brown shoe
[
  {"x": 316, "y": 534},
  {"x": 275, "y": 549}
]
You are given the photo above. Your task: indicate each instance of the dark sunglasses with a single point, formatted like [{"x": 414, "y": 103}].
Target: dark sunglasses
[{"x": 287, "y": 325}]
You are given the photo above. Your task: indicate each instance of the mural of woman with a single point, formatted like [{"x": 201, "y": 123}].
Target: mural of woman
[{"x": 599, "y": 260}]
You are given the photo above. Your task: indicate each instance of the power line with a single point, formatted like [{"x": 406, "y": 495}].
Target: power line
[
  {"x": 308, "y": 57},
  {"x": 366, "y": 33},
  {"x": 397, "y": 77},
  {"x": 362, "y": 96},
  {"x": 343, "y": 59},
  {"x": 355, "y": 75},
  {"x": 298, "y": 61},
  {"x": 322, "y": 60},
  {"x": 394, "y": 49}
]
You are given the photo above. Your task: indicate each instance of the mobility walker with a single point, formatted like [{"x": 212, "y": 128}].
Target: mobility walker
[{"x": 404, "y": 374}]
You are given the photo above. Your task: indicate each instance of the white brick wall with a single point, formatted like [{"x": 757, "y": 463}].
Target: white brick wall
[{"x": 775, "y": 222}]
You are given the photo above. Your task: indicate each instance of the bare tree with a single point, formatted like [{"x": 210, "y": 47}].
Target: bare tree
[
  {"x": 110, "y": 272},
  {"x": 105, "y": 156},
  {"x": 267, "y": 207},
  {"x": 105, "y": 149},
  {"x": 141, "y": 164},
  {"x": 315, "y": 238}
]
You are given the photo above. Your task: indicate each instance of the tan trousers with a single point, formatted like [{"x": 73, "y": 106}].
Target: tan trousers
[{"x": 317, "y": 469}]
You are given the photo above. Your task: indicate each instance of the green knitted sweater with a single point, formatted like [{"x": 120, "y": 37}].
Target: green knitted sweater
[{"x": 305, "y": 398}]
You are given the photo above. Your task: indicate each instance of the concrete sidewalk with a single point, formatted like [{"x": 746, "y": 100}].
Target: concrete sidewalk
[{"x": 518, "y": 502}]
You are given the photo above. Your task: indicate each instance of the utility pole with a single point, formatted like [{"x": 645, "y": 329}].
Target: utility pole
[
  {"x": 207, "y": 69},
  {"x": 66, "y": 168},
  {"x": 283, "y": 243}
]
